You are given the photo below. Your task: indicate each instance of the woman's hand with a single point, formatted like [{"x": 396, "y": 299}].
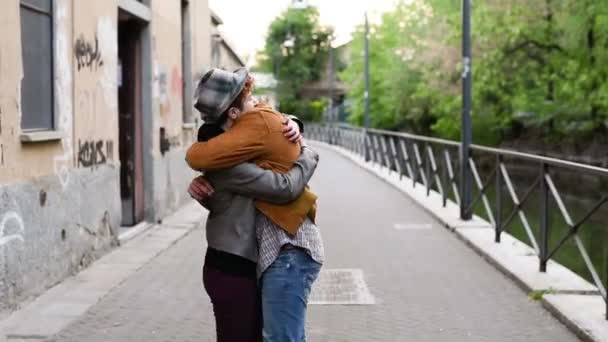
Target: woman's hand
[
  {"x": 200, "y": 189},
  {"x": 292, "y": 131}
]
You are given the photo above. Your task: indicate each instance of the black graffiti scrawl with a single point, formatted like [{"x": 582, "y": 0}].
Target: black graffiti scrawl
[
  {"x": 87, "y": 53},
  {"x": 92, "y": 153}
]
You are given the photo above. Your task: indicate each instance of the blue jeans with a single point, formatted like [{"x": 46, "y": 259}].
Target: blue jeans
[{"x": 286, "y": 285}]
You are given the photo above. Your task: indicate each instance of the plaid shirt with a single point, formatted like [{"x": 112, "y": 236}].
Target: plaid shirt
[{"x": 271, "y": 238}]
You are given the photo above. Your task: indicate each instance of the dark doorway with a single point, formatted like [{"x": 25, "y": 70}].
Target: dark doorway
[{"x": 130, "y": 118}]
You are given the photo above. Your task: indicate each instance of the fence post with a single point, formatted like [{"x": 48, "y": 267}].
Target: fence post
[
  {"x": 466, "y": 184},
  {"x": 498, "y": 214},
  {"x": 427, "y": 169},
  {"x": 544, "y": 223},
  {"x": 366, "y": 145},
  {"x": 444, "y": 179}
]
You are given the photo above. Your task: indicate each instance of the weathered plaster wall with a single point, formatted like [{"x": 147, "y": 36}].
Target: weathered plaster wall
[
  {"x": 171, "y": 173},
  {"x": 19, "y": 161},
  {"x": 85, "y": 92},
  {"x": 172, "y": 177},
  {"x": 95, "y": 43},
  {"x": 227, "y": 59},
  {"x": 200, "y": 18},
  {"x": 59, "y": 201},
  {"x": 48, "y": 231},
  {"x": 167, "y": 63}
]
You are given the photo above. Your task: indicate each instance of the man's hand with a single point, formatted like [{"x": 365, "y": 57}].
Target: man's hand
[
  {"x": 292, "y": 131},
  {"x": 200, "y": 189}
]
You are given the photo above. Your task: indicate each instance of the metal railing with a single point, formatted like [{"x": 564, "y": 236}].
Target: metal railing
[{"x": 430, "y": 162}]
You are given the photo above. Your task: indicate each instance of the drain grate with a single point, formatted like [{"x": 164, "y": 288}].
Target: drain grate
[{"x": 341, "y": 287}]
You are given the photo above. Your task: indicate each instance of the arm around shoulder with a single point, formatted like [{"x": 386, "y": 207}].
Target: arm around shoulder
[
  {"x": 241, "y": 143},
  {"x": 248, "y": 179}
]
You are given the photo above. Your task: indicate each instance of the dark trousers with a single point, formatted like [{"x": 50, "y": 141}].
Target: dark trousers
[{"x": 236, "y": 306}]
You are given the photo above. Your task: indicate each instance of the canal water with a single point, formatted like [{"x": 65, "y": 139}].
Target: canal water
[{"x": 580, "y": 192}]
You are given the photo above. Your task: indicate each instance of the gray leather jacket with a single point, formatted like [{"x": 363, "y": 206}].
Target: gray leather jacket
[{"x": 231, "y": 221}]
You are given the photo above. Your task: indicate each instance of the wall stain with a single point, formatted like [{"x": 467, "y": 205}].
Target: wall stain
[
  {"x": 167, "y": 142},
  {"x": 177, "y": 83},
  {"x": 42, "y": 198}
]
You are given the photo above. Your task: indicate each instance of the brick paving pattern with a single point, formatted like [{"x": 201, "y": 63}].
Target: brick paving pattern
[{"x": 427, "y": 285}]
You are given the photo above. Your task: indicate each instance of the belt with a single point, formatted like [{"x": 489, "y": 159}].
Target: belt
[{"x": 289, "y": 246}]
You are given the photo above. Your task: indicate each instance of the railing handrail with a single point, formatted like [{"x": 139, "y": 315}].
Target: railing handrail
[
  {"x": 493, "y": 150},
  {"x": 427, "y": 161}
]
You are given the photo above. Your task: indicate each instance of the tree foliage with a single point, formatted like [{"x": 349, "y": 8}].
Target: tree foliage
[
  {"x": 538, "y": 68},
  {"x": 301, "y": 63}
]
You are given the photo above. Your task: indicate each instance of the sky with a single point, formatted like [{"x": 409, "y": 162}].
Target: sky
[{"x": 246, "y": 21}]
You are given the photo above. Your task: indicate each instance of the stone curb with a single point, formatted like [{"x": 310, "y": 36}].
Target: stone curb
[
  {"x": 570, "y": 298},
  {"x": 133, "y": 232},
  {"x": 61, "y": 305}
]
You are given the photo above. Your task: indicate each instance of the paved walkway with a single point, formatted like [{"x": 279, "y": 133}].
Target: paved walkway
[{"x": 427, "y": 285}]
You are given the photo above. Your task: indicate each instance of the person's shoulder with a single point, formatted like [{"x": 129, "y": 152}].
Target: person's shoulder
[
  {"x": 266, "y": 117},
  {"x": 251, "y": 118},
  {"x": 273, "y": 118}
]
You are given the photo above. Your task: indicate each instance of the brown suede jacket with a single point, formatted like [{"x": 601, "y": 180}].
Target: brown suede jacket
[{"x": 257, "y": 136}]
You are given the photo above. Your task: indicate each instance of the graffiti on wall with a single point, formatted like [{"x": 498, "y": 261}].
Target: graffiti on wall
[
  {"x": 92, "y": 108},
  {"x": 93, "y": 153},
  {"x": 163, "y": 90},
  {"x": 87, "y": 53},
  {"x": 163, "y": 86},
  {"x": 17, "y": 234},
  {"x": 166, "y": 85}
]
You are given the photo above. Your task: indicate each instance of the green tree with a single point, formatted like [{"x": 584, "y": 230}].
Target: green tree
[
  {"x": 538, "y": 69},
  {"x": 296, "y": 50}
]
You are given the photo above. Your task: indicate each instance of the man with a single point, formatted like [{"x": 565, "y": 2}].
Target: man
[{"x": 290, "y": 244}]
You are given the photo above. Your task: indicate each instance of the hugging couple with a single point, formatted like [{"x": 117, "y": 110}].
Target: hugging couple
[{"x": 264, "y": 249}]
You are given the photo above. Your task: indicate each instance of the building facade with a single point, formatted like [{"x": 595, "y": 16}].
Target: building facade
[
  {"x": 95, "y": 115},
  {"x": 223, "y": 54}
]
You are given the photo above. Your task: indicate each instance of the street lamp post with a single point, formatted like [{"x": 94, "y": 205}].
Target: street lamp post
[
  {"x": 366, "y": 94},
  {"x": 466, "y": 131},
  {"x": 331, "y": 77}
]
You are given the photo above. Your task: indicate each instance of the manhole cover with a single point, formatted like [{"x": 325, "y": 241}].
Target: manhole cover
[{"x": 341, "y": 287}]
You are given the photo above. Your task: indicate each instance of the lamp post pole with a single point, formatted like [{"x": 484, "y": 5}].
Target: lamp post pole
[
  {"x": 466, "y": 131},
  {"x": 366, "y": 94}
]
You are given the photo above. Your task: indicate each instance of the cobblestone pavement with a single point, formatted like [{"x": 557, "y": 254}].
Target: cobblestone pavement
[{"x": 428, "y": 286}]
